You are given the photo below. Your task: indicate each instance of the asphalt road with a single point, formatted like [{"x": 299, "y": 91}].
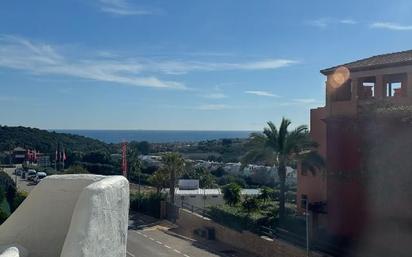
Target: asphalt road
[
  {"x": 149, "y": 237},
  {"x": 152, "y": 242},
  {"x": 22, "y": 185}
]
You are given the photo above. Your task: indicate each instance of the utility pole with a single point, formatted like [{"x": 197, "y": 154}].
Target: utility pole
[{"x": 307, "y": 228}]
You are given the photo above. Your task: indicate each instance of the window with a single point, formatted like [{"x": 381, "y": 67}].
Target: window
[
  {"x": 393, "y": 85},
  {"x": 366, "y": 88},
  {"x": 393, "y": 89},
  {"x": 303, "y": 200}
]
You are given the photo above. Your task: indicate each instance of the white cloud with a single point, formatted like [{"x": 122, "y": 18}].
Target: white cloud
[
  {"x": 39, "y": 58},
  {"x": 212, "y": 107},
  {"x": 122, "y": 8},
  {"x": 320, "y": 23},
  {"x": 390, "y": 26},
  {"x": 182, "y": 67},
  {"x": 325, "y": 22},
  {"x": 214, "y": 96},
  {"x": 305, "y": 100},
  {"x": 348, "y": 21},
  {"x": 19, "y": 53},
  {"x": 260, "y": 93}
]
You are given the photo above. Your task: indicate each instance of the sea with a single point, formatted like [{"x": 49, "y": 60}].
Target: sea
[{"x": 156, "y": 136}]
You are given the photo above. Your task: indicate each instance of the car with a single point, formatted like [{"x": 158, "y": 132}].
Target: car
[
  {"x": 31, "y": 174},
  {"x": 39, "y": 176},
  {"x": 18, "y": 171}
]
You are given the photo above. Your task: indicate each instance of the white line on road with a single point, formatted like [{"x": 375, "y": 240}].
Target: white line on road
[
  {"x": 177, "y": 251},
  {"x": 139, "y": 233},
  {"x": 185, "y": 255},
  {"x": 145, "y": 235},
  {"x": 131, "y": 254},
  {"x": 151, "y": 238},
  {"x": 160, "y": 243},
  {"x": 168, "y": 247}
]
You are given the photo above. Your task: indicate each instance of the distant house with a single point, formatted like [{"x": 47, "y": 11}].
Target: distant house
[
  {"x": 19, "y": 155},
  {"x": 203, "y": 198}
]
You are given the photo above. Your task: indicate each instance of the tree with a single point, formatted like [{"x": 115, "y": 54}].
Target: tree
[
  {"x": 266, "y": 194},
  {"x": 159, "y": 179},
  {"x": 250, "y": 205},
  {"x": 173, "y": 164},
  {"x": 231, "y": 194},
  {"x": 76, "y": 169},
  {"x": 282, "y": 148},
  {"x": 134, "y": 171},
  {"x": 206, "y": 179}
]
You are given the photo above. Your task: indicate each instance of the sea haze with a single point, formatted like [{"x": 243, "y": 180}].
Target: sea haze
[{"x": 155, "y": 136}]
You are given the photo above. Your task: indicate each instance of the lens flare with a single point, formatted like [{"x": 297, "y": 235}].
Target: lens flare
[{"x": 339, "y": 76}]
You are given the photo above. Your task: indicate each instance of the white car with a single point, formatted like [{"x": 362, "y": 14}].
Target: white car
[
  {"x": 31, "y": 174},
  {"x": 39, "y": 176}
]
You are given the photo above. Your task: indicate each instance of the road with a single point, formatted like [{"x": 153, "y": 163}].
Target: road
[
  {"x": 22, "y": 185},
  {"x": 158, "y": 240}
]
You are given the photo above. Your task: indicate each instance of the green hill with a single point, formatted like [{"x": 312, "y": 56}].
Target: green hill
[{"x": 45, "y": 141}]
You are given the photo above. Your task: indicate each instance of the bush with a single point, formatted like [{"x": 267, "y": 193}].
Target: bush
[
  {"x": 3, "y": 216},
  {"x": 18, "y": 199},
  {"x": 235, "y": 218},
  {"x": 147, "y": 203}
]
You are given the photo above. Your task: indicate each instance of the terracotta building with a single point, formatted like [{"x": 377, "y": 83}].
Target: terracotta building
[{"x": 341, "y": 199}]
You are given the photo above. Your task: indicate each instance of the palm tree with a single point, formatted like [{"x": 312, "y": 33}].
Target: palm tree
[
  {"x": 173, "y": 164},
  {"x": 231, "y": 194},
  {"x": 282, "y": 148},
  {"x": 266, "y": 194},
  {"x": 250, "y": 205}
]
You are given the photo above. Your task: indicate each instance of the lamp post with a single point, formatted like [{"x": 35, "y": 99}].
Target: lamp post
[{"x": 307, "y": 227}]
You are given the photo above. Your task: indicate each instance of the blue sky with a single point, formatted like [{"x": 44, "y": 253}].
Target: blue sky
[{"x": 182, "y": 64}]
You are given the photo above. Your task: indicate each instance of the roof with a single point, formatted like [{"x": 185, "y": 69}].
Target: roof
[
  {"x": 212, "y": 191},
  {"x": 375, "y": 62},
  {"x": 19, "y": 149}
]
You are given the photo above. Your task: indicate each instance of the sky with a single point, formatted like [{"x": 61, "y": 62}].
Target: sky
[{"x": 182, "y": 64}]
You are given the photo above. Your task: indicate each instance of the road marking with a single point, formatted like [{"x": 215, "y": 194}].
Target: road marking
[
  {"x": 177, "y": 251},
  {"x": 185, "y": 255},
  {"x": 139, "y": 233},
  {"x": 168, "y": 247},
  {"x": 144, "y": 235},
  {"x": 160, "y": 243},
  {"x": 151, "y": 238},
  {"x": 131, "y": 254}
]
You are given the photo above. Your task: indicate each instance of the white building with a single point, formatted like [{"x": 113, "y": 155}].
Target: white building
[{"x": 203, "y": 198}]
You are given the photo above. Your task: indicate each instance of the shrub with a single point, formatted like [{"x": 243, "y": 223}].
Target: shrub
[
  {"x": 18, "y": 199},
  {"x": 147, "y": 203}
]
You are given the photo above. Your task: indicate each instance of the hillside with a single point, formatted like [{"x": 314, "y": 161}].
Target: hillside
[{"x": 45, "y": 141}]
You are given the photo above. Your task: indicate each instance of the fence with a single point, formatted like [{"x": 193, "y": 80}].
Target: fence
[{"x": 317, "y": 244}]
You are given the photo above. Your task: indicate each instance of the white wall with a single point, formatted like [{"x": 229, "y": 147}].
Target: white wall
[{"x": 42, "y": 221}]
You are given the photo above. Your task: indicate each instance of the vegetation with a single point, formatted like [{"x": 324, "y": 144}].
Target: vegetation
[
  {"x": 45, "y": 141},
  {"x": 231, "y": 194},
  {"x": 282, "y": 148},
  {"x": 76, "y": 169},
  {"x": 173, "y": 165},
  {"x": 206, "y": 179},
  {"x": 147, "y": 203}
]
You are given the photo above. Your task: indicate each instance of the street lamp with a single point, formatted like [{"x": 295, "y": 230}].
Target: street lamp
[{"x": 307, "y": 227}]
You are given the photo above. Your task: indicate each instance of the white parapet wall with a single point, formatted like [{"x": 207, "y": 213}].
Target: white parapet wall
[{"x": 71, "y": 215}]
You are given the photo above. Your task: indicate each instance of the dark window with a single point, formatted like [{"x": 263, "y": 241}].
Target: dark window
[
  {"x": 366, "y": 87},
  {"x": 303, "y": 200}
]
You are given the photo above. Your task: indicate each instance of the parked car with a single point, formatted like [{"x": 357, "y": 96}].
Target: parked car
[
  {"x": 39, "y": 176},
  {"x": 31, "y": 174},
  {"x": 18, "y": 171}
]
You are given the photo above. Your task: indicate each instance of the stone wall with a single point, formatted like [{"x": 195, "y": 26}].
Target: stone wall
[{"x": 245, "y": 240}]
